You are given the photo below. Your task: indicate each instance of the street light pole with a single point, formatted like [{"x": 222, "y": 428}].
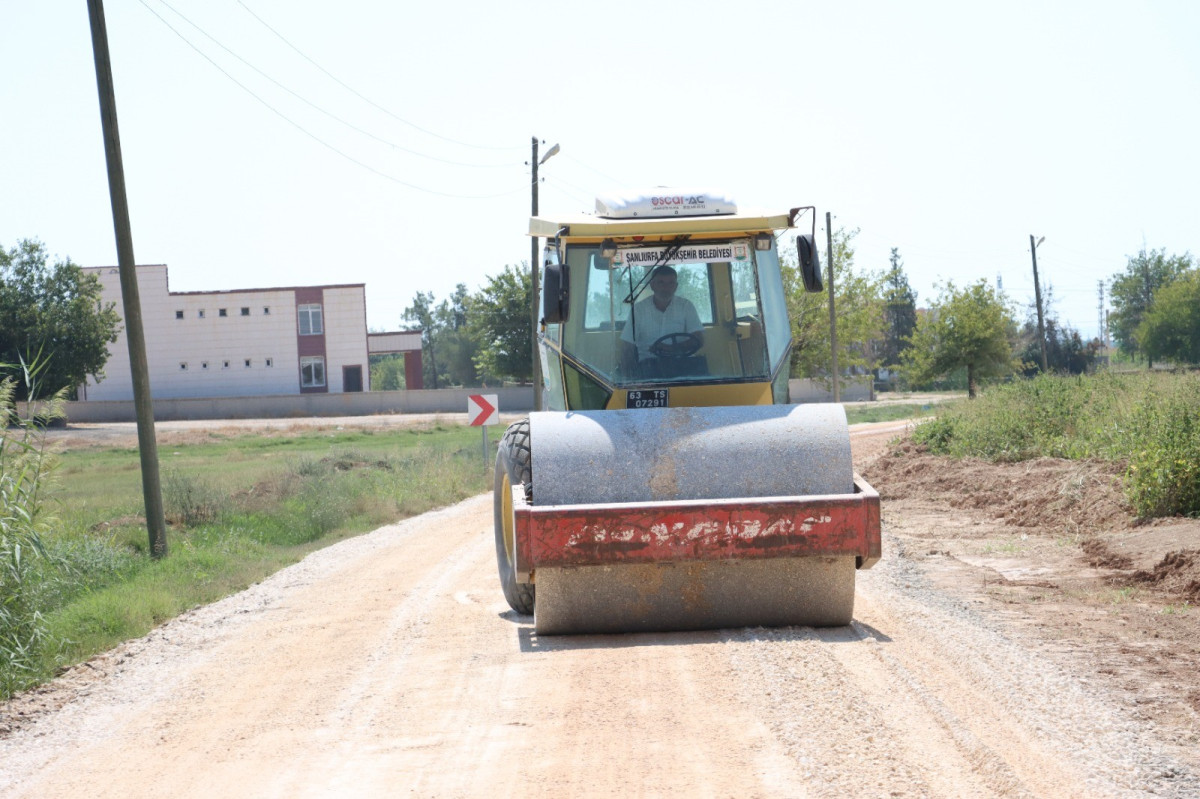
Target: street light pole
[
  {"x": 1037, "y": 293},
  {"x": 533, "y": 267}
]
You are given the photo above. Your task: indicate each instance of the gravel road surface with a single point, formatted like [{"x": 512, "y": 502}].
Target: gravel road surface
[{"x": 389, "y": 664}]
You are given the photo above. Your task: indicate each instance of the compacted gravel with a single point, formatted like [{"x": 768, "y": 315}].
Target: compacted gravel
[{"x": 390, "y": 663}]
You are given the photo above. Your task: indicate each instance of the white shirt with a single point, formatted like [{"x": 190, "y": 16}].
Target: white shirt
[{"x": 652, "y": 324}]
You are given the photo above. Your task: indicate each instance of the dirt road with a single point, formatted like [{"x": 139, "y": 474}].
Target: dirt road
[{"x": 389, "y": 664}]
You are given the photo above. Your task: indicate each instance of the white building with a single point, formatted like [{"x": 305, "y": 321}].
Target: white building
[{"x": 246, "y": 342}]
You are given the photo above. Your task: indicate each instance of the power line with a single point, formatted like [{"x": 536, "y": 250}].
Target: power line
[
  {"x": 313, "y": 136},
  {"x": 365, "y": 99},
  {"x": 593, "y": 169},
  {"x": 316, "y": 107}
]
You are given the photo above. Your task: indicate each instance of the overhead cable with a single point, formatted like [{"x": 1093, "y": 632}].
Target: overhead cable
[
  {"x": 329, "y": 114},
  {"x": 366, "y": 99},
  {"x": 316, "y": 138}
]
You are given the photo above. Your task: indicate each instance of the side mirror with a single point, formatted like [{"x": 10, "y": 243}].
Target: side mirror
[
  {"x": 810, "y": 263},
  {"x": 556, "y": 294}
]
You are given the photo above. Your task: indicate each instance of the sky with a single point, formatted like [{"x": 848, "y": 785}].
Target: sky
[{"x": 281, "y": 143}]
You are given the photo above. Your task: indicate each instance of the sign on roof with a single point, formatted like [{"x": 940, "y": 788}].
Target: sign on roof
[{"x": 664, "y": 202}]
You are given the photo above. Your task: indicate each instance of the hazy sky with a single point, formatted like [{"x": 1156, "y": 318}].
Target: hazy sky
[{"x": 271, "y": 143}]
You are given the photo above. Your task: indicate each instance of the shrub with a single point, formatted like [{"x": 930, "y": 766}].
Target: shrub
[
  {"x": 1150, "y": 422},
  {"x": 24, "y": 467},
  {"x": 192, "y": 501},
  {"x": 1163, "y": 477}
]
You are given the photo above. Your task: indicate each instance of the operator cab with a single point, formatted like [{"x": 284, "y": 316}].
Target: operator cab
[{"x": 661, "y": 299}]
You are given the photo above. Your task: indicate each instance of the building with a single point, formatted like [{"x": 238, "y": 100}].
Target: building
[{"x": 247, "y": 342}]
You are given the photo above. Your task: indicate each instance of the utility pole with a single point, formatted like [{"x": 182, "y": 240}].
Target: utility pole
[
  {"x": 837, "y": 389},
  {"x": 1037, "y": 293},
  {"x": 533, "y": 309},
  {"x": 147, "y": 445},
  {"x": 1100, "y": 312},
  {"x": 534, "y": 257}
]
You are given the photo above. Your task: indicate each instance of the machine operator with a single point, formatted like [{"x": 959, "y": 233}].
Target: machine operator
[{"x": 661, "y": 314}]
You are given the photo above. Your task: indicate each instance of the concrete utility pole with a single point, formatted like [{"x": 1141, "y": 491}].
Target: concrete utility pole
[
  {"x": 534, "y": 266},
  {"x": 1037, "y": 293},
  {"x": 533, "y": 304},
  {"x": 147, "y": 445},
  {"x": 837, "y": 389}
]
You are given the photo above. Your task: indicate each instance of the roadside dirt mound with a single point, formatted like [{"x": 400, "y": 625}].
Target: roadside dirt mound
[
  {"x": 1048, "y": 497},
  {"x": 1177, "y": 573},
  {"x": 1045, "y": 493}
]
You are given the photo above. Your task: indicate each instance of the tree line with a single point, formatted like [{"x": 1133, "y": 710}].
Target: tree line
[
  {"x": 468, "y": 339},
  {"x": 966, "y": 334}
]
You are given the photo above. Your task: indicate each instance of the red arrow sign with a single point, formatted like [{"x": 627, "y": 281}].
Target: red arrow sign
[{"x": 483, "y": 409}]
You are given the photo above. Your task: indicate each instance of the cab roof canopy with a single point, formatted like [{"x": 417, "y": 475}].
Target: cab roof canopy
[{"x": 660, "y": 213}]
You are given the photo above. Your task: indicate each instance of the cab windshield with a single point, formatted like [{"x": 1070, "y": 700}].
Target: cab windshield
[{"x": 690, "y": 316}]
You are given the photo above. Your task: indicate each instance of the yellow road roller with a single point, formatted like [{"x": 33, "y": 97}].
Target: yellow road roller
[{"x": 669, "y": 484}]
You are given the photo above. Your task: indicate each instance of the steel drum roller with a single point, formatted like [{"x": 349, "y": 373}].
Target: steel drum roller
[{"x": 663, "y": 454}]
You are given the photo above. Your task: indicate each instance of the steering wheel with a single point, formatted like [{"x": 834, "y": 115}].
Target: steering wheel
[{"x": 677, "y": 345}]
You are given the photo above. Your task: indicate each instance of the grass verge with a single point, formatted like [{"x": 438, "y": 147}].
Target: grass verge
[
  {"x": 238, "y": 509},
  {"x": 867, "y": 413}
]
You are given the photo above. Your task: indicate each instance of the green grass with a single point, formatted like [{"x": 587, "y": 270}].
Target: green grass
[
  {"x": 238, "y": 509},
  {"x": 1148, "y": 422},
  {"x": 859, "y": 414}
]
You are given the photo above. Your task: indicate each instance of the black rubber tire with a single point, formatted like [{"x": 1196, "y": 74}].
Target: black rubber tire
[{"x": 513, "y": 467}]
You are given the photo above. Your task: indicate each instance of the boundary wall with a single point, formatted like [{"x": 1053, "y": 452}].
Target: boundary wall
[
  {"x": 860, "y": 388},
  {"x": 513, "y": 399}
]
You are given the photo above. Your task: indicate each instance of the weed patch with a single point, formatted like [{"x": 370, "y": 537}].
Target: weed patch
[{"x": 1149, "y": 423}]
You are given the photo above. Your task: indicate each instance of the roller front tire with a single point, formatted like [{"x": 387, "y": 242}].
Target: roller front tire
[{"x": 513, "y": 468}]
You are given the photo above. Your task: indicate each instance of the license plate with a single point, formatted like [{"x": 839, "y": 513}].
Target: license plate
[{"x": 653, "y": 398}]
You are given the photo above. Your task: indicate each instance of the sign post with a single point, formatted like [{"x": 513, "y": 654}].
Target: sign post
[{"x": 483, "y": 410}]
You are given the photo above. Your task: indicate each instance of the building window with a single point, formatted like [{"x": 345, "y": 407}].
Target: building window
[
  {"x": 222, "y": 312},
  {"x": 200, "y": 313},
  {"x": 183, "y": 366},
  {"x": 310, "y": 321},
  {"x": 179, "y": 314},
  {"x": 204, "y": 364},
  {"x": 266, "y": 310},
  {"x": 312, "y": 372},
  {"x": 270, "y": 362},
  {"x": 225, "y": 364},
  {"x": 245, "y": 312},
  {"x": 247, "y": 363}
]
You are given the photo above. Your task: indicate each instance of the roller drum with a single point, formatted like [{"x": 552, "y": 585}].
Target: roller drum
[{"x": 664, "y": 454}]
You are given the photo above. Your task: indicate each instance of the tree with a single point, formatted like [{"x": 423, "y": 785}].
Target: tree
[
  {"x": 857, "y": 302},
  {"x": 499, "y": 322},
  {"x": 900, "y": 312},
  {"x": 53, "y": 314},
  {"x": 1066, "y": 352},
  {"x": 1170, "y": 329},
  {"x": 387, "y": 372},
  {"x": 971, "y": 327},
  {"x": 456, "y": 345},
  {"x": 1133, "y": 293},
  {"x": 422, "y": 312}
]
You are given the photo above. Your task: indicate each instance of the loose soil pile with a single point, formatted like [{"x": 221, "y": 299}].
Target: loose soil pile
[
  {"x": 1053, "y": 547},
  {"x": 1048, "y": 497}
]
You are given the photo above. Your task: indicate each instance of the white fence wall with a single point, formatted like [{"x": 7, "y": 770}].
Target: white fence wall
[
  {"x": 514, "y": 399},
  {"x": 851, "y": 389}
]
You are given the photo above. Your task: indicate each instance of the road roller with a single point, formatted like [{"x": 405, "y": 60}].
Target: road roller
[{"x": 668, "y": 483}]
